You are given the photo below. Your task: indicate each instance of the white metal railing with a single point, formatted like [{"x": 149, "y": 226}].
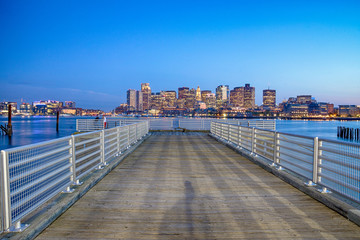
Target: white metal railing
[
  {"x": 332, "y": 165},
  {"x": 84, "y": 125},
  {"x": 33, "y": 174}
]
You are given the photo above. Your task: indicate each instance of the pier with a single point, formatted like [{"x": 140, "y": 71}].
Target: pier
[{"x": 192, "y": 185}]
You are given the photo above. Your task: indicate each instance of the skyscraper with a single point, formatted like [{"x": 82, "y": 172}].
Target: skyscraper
[
  {"x": 237, "y": 97},
  {"x": 183, "y": 92},
  {"x": 198, "y": 94},
  {"x": 139, "y": 101},
  {"x": 203, "y": 94},
  {"x": 170, "y": 98},
  {"x": 249, "y": 96},
  {"x": 269, "y": 98},
  {"x": 222, "y": 95},
  {"x": 146, "y": 95},
  {"x": 131, "y": 99}
]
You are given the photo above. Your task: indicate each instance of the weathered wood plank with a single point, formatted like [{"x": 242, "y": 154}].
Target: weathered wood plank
[{"x": 192, "y": 187}]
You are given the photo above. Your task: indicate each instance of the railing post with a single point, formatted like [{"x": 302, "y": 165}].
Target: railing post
[
  {"x": 276, "y": 149},
  {"x": 228, "y": 132},
  {"x": 73, "y": 161},
  {"x": 5, "y": 198},
  {"x": 102, "y": 141},
  {"x": 128, "y": 136},
  {"x": 238, "y": 135},
  {"x": 315, "y": 161},
  {"x": 118, "y": 139},
  {"x": 136, "y": 132},
  {"x": 253, "y": 140}
]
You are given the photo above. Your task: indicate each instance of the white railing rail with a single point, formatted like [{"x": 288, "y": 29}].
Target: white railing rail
[
  {"x": 331, "y": 165},
  {"x": 33, "y": 174},
  {"x": 85, "y": 125}
]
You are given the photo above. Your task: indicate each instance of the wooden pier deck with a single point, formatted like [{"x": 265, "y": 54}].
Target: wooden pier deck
[{"x": 192, "y": 187}]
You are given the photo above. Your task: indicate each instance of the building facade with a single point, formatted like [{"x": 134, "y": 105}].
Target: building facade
[
  {"x": 269, "y": 98},
  {"x": 249, "y": 97},
  {"x": 146, "y": 95}
]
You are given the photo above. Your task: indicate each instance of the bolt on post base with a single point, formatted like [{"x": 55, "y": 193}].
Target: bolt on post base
[{"x": 18, "y": 227}]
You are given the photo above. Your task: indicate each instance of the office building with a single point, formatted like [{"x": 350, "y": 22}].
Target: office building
[
  {"x": 269, "y": 98},
  {"x": 222, "y": 95},
  {"x": 146, "y": 95},
  {"x": 131, "y": 99},
  {"x": 304, "y": 99},
  {"x": 139, "y": 101},
  {"x": 249, "y": 97},
  {"x": 203, "y": 94},
  {"x": 170, "y": 98},
  {"x": 237, "y": 97},
  {"x": 69, "y": 104},
  {"x": 210, "y": 100},
  {"x": 157, "y": 101},
  {"x": 183, "y": 92}
]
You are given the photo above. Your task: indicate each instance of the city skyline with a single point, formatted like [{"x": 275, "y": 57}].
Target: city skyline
[{"x": 93, "y": 52}]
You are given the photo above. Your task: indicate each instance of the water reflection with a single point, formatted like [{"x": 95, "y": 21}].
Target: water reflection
[
  {"x": 28, "y": 130},
  {"x": 36, "y": 129}
]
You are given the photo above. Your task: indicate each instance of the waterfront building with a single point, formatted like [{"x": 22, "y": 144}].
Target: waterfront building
[
  {"x": 180, "y": 103},
  {"x": 139, "y": 101},
  {"x": 69, "y": 111},
  {"x": 304, "y": 99},
  {"x": 123, "y": 108},
  {"x": 69, "y": 104},
  {"x": 183, "y": 92},
  {"x": 210, "y": 100},
  {"x": 296, "y": 110},
  {"x": 170, "y": 99},
  {"x": 52, "y": 106},
  {"x": 269, "y": 98},
  {"x": 131, "y": 100},
  {"x": 203, "y": 95},
  {"x": 237, "y": 97},
  {"x": 348, "y": 110},
  {"x": 198, "y": 94},
  {"x": 39, "y": 108},
  {"x": 157, "y": 101},
  {"x": 222, "y": 95},
  {"x": 146, "y": 91},
  {"x": 4, "y": 107},
  {"x": 331, "y": 109},
  {"x": 249, "y": 96},
  {"x": 25, "y": 108}
]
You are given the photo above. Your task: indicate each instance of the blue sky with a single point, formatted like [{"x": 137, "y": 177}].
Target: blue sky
[{"x": 91, "y": 52}]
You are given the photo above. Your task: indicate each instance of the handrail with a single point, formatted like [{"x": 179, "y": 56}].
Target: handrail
[
  {"x": 84, "y": 125},
  {"x": 33, "y": 174},
  {"x": 329, "y": 164}
]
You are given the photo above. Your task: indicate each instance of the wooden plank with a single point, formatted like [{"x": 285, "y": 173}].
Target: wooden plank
[{"x": 192, "y": 187}]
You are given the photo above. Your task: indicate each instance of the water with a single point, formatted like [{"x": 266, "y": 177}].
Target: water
[
  {"x": 28, "y": 130},
  {"x": 311, "y": 128}
]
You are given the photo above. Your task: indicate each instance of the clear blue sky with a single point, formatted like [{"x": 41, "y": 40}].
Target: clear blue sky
[{"x": 91, "y": 52}]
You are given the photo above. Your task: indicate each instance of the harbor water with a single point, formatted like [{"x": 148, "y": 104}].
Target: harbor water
[{"x": 29, "y": 130}]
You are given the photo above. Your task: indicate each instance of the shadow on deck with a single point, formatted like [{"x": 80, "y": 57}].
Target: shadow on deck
[{"x": 189, "y": 186}]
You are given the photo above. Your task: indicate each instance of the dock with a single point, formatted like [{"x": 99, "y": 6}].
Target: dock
[{"x": 190, "y": 186}]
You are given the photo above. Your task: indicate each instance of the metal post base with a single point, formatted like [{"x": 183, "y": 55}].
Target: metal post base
[
  {"x": 310, "y": 183},
  {"x": 77, "y": 183},
  {"x": 280, "y": 168},
  {"x": 324, "y": 190},
  {"x": 68, "y": 190},
  {"x": 18, "y": 227}
]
